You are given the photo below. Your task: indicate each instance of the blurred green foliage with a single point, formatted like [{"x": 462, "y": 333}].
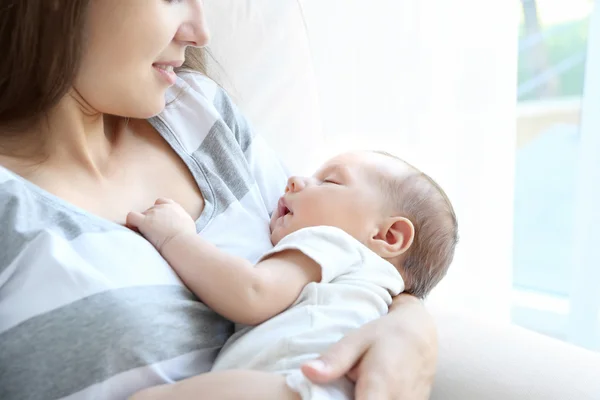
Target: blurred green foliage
[{"x": 568, "y": 39}]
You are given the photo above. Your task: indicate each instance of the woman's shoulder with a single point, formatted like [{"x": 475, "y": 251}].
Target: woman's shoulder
[
  {"x": 196, "y": 90},
  {"x": 193, "y": 85},
  {"x": 199, "y": 82},
  {"x": 27, "y": 212},
  {"x": 197, "y": 107},
  {"x": 16, "y": 201},
  {"x": 207, "y": 125},
  {"x": 22, "y": 202}
]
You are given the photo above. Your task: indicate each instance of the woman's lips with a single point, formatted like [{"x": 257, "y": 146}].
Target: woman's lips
[{"x": 167, "y": 72}]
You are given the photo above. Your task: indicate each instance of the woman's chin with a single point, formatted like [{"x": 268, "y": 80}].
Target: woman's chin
[
  {"x": 150, "y": 109},
  {"x": 150, "y": 102}
]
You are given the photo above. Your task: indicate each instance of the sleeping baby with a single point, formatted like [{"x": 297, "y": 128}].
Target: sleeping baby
[{"x": 366, "y": 227}]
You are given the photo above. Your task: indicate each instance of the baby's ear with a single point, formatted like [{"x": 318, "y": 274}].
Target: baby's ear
[{"x": 394, "y": 237}]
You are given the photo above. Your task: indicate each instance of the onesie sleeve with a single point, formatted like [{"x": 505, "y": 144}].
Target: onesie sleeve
[{"x": 342, "y": 258}]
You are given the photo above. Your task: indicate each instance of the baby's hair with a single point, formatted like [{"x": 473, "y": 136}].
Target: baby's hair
[{"x": 420, "y": 199}]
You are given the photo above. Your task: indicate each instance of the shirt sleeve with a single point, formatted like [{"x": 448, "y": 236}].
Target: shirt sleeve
[{"x": 265, "y": 165}]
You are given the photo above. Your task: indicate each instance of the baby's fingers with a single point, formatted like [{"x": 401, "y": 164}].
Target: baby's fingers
[
  {"x": 163, "y": 200},
  {"x": 135, "y": 219}
]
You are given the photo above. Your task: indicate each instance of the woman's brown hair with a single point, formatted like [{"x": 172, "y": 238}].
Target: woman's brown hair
[{"x": 41, "y": 42}]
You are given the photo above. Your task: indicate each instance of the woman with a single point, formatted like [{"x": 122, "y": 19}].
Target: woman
[{"x": 88, "y": 308}]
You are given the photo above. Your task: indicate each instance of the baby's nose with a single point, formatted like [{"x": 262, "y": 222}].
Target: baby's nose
[{"x": 295, "y": 184}]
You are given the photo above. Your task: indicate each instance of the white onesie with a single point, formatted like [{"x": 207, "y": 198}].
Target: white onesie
[{"x": 356, "y": 287}]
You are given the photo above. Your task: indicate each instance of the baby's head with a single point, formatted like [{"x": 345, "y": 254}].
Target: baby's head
[{"x": 391, "y": 207}]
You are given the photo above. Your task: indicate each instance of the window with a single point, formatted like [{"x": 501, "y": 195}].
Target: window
[{"x": 556, "y": 283}]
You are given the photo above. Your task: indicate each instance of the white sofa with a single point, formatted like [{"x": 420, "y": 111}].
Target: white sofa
[
  {"x": 266, "y": 62},
  {"x": 488, "y": 361}
]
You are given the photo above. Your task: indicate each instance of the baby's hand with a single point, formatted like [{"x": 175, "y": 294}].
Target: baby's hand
[{"x": 162, "y": 222}]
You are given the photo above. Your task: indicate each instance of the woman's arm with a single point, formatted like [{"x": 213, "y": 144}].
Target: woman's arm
[
  {"x": 393, "y": 357},
  {"x": 232, "y": 286}
]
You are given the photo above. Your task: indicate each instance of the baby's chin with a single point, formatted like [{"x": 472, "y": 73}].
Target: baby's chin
[{"x": 278, "y": 234}]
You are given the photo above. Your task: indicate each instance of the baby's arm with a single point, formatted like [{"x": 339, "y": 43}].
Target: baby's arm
[
  {"x": 223, "y": 385},
  {"x": 232, "y": 286}
]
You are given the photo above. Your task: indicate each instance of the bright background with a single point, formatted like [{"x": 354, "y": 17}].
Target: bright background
[
  {"x": 484, "y": 97},
  {"x": 552, "y": 268}
]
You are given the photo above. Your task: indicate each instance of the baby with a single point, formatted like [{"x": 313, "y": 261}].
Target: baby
[{"x": 366, "y": 227}]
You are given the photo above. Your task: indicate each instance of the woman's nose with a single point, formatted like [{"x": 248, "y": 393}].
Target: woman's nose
[
  {"x": 194, "y": 32},
  {"x": 295, "y": 184}
]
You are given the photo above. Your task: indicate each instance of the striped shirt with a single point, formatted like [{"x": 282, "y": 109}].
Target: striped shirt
[{"x": 89, "y": 309}]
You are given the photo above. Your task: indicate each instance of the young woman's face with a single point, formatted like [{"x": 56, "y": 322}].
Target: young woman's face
[{"x": 130, "y": 49}]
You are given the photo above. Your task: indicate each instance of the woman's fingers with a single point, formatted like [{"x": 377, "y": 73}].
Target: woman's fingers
[
  {"x": 393, "y": 357},
  {"x": 374, "y": 379},
  {"x": 339, "y": 360}
]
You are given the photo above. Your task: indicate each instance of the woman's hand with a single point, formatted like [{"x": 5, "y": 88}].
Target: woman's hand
[{"x": 391, "y": 358}]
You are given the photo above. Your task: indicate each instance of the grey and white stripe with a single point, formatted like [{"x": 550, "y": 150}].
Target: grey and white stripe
[{"x": 86, "y": 303}]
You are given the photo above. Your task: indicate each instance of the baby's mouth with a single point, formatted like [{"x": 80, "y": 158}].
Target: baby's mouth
[{"x": 283, "y": 208}]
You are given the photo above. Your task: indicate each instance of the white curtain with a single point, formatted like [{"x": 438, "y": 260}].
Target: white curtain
[{"x": 433, "y": 81}]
